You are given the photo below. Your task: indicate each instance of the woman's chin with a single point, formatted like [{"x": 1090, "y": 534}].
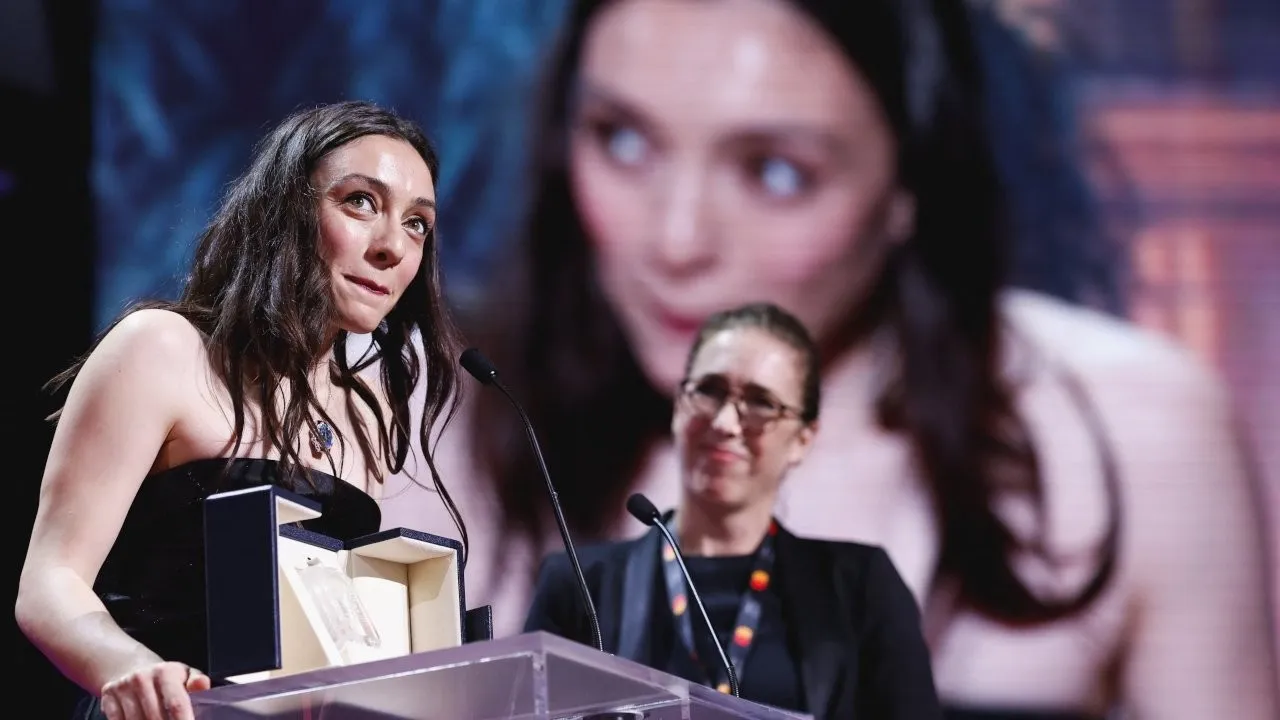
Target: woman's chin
[
  {"x": 360, "y": 325},
  {"x": 663, "y": 367},
  {"x": 720, "y": 490}
]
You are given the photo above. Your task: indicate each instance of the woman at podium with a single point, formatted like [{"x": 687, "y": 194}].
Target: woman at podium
[
  {"x": 827, "y": 628},
  {"x": 247, "y": 379}
]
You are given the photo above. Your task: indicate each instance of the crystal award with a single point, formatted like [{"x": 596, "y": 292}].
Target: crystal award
[{"x": 344, "y": 616}]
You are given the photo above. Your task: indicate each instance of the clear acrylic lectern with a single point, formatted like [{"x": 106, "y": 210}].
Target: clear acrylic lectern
[{"x": 535, "y": 675}]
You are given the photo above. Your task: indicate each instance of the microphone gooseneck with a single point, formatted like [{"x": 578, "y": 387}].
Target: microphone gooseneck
[
  {"x": 479, "y": 367},
  {"x": 643, "y": 509}
]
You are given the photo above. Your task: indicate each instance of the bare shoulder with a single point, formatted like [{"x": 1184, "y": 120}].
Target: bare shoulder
[
  {"x": 157, "y": 331},
  {"x": 147, "y": 361},
  {"x": 149, "y": 344},
  {"x": 1166, "y": 418},
  {"x": 1169, "y": 425},
  {"x": 1113, "y": 358}
]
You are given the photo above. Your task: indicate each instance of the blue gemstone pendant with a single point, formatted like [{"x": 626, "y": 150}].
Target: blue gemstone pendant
[{"x": 321, "y": 438}]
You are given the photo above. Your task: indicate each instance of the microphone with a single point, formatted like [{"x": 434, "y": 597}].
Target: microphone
[
  {"x": 475, "y": 363},
  {"x": 642, "y": 509}
]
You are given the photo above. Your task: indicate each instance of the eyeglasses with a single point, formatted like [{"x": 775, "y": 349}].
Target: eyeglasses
[{"x": 756, "y": 406}]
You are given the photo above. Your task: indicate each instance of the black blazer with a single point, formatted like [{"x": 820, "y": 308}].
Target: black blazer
[{"x": 852, "y": 620}]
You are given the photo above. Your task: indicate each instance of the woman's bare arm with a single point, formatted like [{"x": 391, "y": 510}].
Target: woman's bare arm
[
  {"x": 1202, "y": 641},
  {"x": 118, "y": 414},
  {"x": 1194, "y": 566}
]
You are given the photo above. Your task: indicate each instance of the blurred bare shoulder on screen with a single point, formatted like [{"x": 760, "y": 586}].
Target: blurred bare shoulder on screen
[
  {"x": 1114, "y": 358},
  {"x": 1198, "y": 642}
]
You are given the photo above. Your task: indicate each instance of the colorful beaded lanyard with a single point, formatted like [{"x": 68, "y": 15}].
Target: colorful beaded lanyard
[{"x": 748, "y": 621}]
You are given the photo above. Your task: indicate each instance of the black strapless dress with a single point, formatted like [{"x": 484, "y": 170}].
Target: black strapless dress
[{"x": 152, "y": 581}]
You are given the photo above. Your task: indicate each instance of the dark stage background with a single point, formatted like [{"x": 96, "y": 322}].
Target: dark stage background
[{"x": 47, "y": 211}]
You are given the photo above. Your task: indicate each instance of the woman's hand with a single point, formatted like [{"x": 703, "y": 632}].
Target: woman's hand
[{"x": 155, "y": 692}]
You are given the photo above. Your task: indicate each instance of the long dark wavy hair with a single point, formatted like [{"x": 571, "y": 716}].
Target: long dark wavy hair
[
  {"x": 258, "y": 290},
  {"x": 550, "y": 328}
]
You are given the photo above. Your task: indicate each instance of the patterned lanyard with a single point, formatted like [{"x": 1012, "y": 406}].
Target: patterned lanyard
[{"x": 744, "y": 629}]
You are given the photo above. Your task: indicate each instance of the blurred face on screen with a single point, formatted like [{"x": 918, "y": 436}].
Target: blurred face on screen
[
  {"x": 737, "y": 421},
  {"x": 376, "y": 211},
  {"x": 723, "y": 152}
]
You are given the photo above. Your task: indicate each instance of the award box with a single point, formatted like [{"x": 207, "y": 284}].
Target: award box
[{"x": 281, "y": 600}]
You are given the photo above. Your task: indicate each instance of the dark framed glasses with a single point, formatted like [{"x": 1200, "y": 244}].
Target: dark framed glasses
[{"x": 757, "y": 407}]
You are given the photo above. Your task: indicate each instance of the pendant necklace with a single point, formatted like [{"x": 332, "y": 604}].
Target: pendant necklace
[
  {"x": 321, "y": 442},
  {"x": 321, "y": 438}
]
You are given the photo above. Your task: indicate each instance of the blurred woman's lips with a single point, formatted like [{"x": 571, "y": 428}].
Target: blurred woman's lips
[
  {"x": 677, "y": 323},
  {"x": 720, "y": 453}
]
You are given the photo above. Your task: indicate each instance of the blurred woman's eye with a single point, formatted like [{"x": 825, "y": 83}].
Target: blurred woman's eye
[
  {"x": 712, "y": 389},
  {"x": 779, "y": 177},
  {"x": 625, "y": 145}
]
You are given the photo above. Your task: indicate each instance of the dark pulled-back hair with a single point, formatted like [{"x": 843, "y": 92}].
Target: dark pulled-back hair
[
  {"x": 780, "y": 325},
  {"x": 552, "y": 331},
  {"x": 259, "y": 293}
]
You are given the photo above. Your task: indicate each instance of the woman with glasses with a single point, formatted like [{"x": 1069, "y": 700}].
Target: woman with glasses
[{"x": 826, "y": 628}]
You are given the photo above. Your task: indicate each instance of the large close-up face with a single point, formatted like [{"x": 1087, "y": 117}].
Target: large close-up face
[
  {"x": 377, "y": 208},
  {"x": 723, "y": 152},
  {"x": 738, "y": 423}
]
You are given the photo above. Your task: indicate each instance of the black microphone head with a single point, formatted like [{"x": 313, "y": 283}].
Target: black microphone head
[
  {"x": 643, "y": 509},
  {"x": 474, "y": 362}
]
